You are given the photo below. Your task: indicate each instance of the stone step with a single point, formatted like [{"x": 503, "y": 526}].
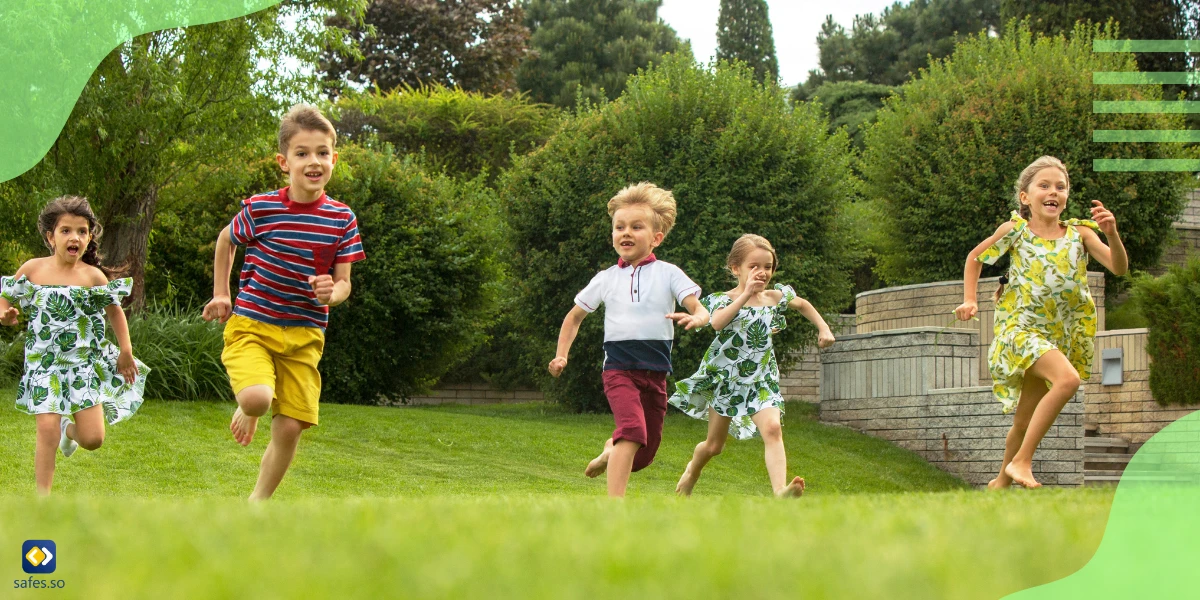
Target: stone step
[
  {"x": 1091, "y": 429},
  {"x": 1105, "y": 461},
  {"x": 1105, "y": 444},
  {"x": 1094, "y": 477}
]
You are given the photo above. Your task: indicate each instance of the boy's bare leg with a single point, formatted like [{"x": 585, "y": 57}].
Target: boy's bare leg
[
  {"x": 767, "y": 421},
  {"x": 285, "y": 435},
  {"x": 253, "y": 402},
  {"x": 49, "y": 430},
  {"x": 620, "y": 465},
  {"x": 718, "y": 431},
  {"x": 600, "y": 463},
  {"x": 1032, "y": 391}
]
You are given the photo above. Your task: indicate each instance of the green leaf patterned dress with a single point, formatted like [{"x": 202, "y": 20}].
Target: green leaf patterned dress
[
  {"x": 738, "y": 375},
  {"x": 69, "y": 365},
  {"x": 1046, "y": 305}
]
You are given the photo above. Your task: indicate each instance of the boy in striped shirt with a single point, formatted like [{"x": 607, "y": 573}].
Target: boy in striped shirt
[{"x": 299, "y": 248}]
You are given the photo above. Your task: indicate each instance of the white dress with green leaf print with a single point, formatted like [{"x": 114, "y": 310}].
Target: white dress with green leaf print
[
  {"x": 69, "y": 364},
  {"x": 738, "y": 376},
  {"x": 1046, "y": 305}
]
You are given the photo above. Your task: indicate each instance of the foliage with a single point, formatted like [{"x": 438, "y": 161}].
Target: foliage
[
  {"x": 942, "y": 159},
  {"x": 737, "y": 159},
  {"x": 471, "y": 44},
  {"x": 1171, "y": 306},
  {"x": 851, "y": 104},
  {"x": 461, "y": 133},
  {"x": 424, "y": 297},
  {"x": 585, "y": 49},
  {"x": 744, "y": 33}
]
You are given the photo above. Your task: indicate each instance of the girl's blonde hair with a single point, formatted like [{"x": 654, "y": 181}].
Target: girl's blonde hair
[
  {"x": 660, "y": 201},
  {"x": 1026, "y": 178},
  {"x": 744, "y": 245},
  {"x": 1023, "y": 181}
]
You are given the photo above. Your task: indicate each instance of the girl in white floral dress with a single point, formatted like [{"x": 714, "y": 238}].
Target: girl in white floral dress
[
  {"x": 1045, "y": 320},
  {"x": 737, "y": 386},
  {"x": 70, "y": 368}
]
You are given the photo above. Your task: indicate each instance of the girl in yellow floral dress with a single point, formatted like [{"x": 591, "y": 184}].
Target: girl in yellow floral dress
[{"x": 1045, "y": 317}]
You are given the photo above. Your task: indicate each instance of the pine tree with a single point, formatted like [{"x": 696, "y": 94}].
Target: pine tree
[
  {"x": 589, "y": 47},
  {"x": 744, "y": 33}
]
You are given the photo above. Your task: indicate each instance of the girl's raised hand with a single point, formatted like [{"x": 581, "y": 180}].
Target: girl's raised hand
[
  {"x": 1104, "y": 218},
  {"x": 966, "y": 311},
  {"x": 10, "y": 316},
  {"x": 557, "y": 365},
  {"x": 824, "y": 338}
]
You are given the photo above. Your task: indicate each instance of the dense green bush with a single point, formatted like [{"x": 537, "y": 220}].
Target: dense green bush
[
  {"x": 460, "y": 132},
  {"x": 427, "y": 292},
  {"x": 738, "y": 160},
  {"x": 944, "y": 154},
  {"x": 1171, "y": 306}
]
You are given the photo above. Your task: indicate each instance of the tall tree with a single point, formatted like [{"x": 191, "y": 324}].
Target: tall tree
[
  {"x": 589, "y": 47},
  {"x": 172, "y": 101},
  {"x": 744, "y": 33},
  {"x": 888, "y": 48},
  {"x": 471, "y": 44}
]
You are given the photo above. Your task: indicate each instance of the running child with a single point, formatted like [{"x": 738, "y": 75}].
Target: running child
[
  {"x": 75, "y": 380},
  {"x": 736, "y": 388},
  {"x": 1045, "y": 319},
  {"x": 639, "y": 294}
]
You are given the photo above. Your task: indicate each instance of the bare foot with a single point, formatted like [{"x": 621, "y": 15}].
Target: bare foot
[
  {"x": 795, "y": 489},
  {"x": 1000, "y": 483},
  {"x": 687, "y": 481},
  {"x": 243, "y": 427},
  {"x": 600, "y": 463},
  {"x": 1022, "y": 474}
]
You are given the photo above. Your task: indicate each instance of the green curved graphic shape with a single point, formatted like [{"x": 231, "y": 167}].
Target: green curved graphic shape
[
  {"x": 51, "y": 47},
  {"x": 1151, "y": 544}
]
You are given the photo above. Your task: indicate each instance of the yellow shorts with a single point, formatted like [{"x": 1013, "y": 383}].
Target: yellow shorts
[{"x": 284, "y": 358}]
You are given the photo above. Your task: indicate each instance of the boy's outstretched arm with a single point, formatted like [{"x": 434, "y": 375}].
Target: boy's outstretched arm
[
  {"x": 824, "y": 334},
  {"x": 566, "y": 337},
  {"x": 698, "y": 316},
  {"x": 220, "y": 307}
]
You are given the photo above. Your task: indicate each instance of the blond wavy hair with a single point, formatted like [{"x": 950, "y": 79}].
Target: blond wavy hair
[{"x": 660, "y": 202}]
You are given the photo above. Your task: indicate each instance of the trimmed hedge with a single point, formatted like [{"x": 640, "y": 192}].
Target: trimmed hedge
[
  {"x": 942, "y": 158},
  {"x": 425, "y": 296},
  {"x": 738, "y": 160},
  {"x": 462, "y": 133},
  {"x": 1171, "y": 305}
]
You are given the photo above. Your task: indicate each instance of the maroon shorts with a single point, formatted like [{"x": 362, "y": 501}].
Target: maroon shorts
[{"x": 638, "y": 400}]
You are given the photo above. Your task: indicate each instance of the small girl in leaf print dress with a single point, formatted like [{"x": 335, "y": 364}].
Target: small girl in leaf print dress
[
  {"x": 736, "y": 387},
  {"x": 70, "y": 368},
  {"x": 1045, "y": 320}
]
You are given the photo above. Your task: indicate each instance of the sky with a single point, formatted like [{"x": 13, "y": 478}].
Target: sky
[{"x": 795, "y": 24}]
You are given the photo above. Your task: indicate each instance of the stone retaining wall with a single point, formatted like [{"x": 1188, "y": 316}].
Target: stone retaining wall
[{"x": 918, "y": 389}]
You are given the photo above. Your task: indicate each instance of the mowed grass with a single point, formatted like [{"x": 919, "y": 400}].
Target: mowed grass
[{"x": 490, "y": 502}]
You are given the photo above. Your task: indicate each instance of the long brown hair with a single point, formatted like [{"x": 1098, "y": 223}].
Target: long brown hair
[{"x": 75, "y": 206}]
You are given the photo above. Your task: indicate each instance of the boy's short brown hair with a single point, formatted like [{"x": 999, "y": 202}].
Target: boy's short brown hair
[
  {"x": 660, "y": 201},
  {"x": 299, "y": 118}
]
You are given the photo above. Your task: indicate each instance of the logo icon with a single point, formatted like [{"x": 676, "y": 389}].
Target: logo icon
[{"x": 39, "y": 556}]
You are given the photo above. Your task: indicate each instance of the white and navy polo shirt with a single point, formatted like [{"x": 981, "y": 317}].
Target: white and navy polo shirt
[{"x": 637, "y": 299}]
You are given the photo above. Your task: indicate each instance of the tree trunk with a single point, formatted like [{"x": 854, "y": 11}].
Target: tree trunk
[{"x": 126, "y": 236}]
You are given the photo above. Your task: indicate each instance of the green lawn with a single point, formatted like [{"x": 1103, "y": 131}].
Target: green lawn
[{"x": 491, "y": 502}]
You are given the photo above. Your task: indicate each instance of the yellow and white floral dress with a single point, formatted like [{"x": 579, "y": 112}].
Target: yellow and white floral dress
[{"x": 1046, "y": 305}]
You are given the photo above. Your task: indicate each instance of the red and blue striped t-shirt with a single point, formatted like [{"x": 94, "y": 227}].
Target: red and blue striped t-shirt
[{"x": 286, "y": 243}]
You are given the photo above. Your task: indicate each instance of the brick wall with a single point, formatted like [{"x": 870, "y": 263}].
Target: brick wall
[
  {"x": 803, "y": 381},
  {"x": 918, "y": 389},
  {"x": 1187, "y": 229},
  {"x": 1127, "y": 410},
  {"x": 473, "y": 393},
  {"x": 933, "y": 304}
]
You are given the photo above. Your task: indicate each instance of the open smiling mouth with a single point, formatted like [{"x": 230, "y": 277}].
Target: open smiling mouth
[{"x": 73, "y": 249}]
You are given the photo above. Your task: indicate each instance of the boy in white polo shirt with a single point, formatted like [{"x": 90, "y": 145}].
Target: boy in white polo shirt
[{"x": 639, "y": 295}]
